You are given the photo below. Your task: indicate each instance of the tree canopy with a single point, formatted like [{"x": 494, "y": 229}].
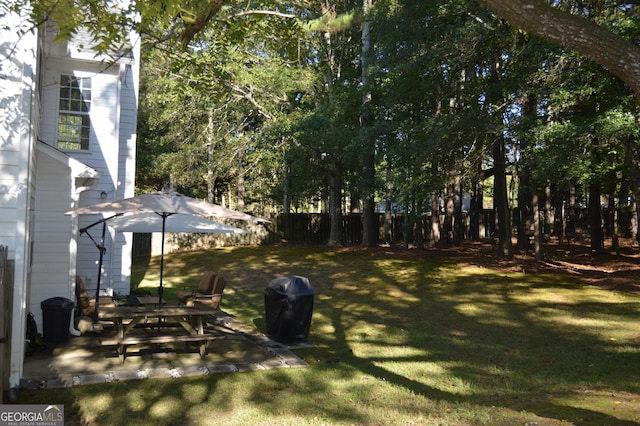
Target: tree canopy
[
  {"x": 287, "y": 106},
  {"x": 168, "y": 21}
]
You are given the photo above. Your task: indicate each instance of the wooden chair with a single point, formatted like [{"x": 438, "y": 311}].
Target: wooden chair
[
  {"x": 85, "y": 304},
  {"x": 213, "y": 300},
  {"x": 204, "y": 288}
]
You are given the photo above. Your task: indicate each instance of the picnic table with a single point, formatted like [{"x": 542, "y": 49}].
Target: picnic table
[{"x": 127, "y": 318}]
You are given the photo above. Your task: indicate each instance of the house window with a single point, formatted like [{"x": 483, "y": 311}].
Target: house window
[{"x": 74, "y": 124}]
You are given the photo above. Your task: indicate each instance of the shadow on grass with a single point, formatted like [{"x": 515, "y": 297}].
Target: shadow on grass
[
  {"x": 404, "y": 337},
  {"x": 520, "y": 342},
  {"x": 508, "y": 338}
]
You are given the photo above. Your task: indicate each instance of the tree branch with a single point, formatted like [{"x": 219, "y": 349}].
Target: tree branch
[
  {"x": 263, "y": 12},
  {"x": 620, "y": 56}
]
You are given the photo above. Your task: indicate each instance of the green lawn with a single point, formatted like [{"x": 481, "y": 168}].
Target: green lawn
[{"x": 400, "y": 340}]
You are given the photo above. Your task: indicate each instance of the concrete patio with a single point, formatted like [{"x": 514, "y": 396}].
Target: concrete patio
[{"x": 82, "y": 360}]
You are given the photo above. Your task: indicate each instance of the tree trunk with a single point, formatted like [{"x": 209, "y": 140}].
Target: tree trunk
[
  {"x": 286, "y": 196},
  {"x": 521, "y": 213},
  {"x": 537, "y": 233},
  {"x": 571, "y": 219},
  {"x": 501, "y": 203},
  {"x": 558, "y": 219},
  {"x": 475, "y": 209},
  {"x": 614, "y": 223},
  {"x": 457, "y": 215},
  {"x": 632, "y": 161},
  {"x": 634, "y": 222},
  {"x": 610, "y": 216},
  {"x": 209, "y": 145},
  {"x": 388, "y": 215},
  {"x": 335, "y": 205},
  {"x": 548, "y": 211},
  {"x": 407, "y": 228},
  {"x": 240, "y": 182},
  {"x": 623, "y": 205},
  {"x": 449, "y": 209},
  {"x": 434, "y": 235},
  {"x": 595, "y": 218},
  {"x": 369, "y": 231},
  {"x": 419, "y": 229}
]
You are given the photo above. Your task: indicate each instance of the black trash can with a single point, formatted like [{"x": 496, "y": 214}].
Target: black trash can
[
  {"x": 288, "y": 303},
  {"x": 56, "y": 319}
]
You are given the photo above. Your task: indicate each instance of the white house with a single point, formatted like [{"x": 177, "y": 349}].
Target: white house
[{"x": 67, "y": 139}]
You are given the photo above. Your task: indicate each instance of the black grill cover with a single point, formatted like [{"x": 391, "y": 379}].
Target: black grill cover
[{"x": 288, "y": 303}]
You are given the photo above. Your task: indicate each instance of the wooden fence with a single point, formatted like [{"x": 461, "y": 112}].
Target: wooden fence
[
  {"x": 6, "y": 295},
  {"x": 314, "y": 229},
  {"x": 306, "y": 228}
]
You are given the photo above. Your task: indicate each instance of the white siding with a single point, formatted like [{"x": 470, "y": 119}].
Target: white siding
[
  {"x": 18, "y": 127},
  {"x": 51, "y": 236},
  {"x": 17, "y": 106}
]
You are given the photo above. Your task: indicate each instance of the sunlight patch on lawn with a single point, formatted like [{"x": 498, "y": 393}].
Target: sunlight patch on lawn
[
  {"x": 365, "y": 340},
  {"x": 610, "y": 327},
  {"x": 396, "y": 353},
  {"x": 101, "y": 400},
  {"x": 602, "y": 327},
  {"x": 618, "y": 405},
  {"x": 398, "y": 298},
  {"x": 429, "y": 374},
  {"x": 568, "y": 296},
  {"x": 136, "y": 402},
  {"x": 455, "y": 272},
  {"x": 322, "y": 327},
  {"x": 487, "y": 313},
  {"x": 195, "y": 393},
  {"x": 164, "y": 408}
]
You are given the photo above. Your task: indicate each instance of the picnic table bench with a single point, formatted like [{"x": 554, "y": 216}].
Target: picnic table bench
[{"x": 126, "y": 318}]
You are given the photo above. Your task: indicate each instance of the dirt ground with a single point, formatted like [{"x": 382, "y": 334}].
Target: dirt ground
[{"x": 608, "y": 269}]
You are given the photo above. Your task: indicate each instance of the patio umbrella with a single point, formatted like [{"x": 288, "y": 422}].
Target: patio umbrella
[
  {"x": 164, "y": 205},
  {"x": 175, "y": 223}
]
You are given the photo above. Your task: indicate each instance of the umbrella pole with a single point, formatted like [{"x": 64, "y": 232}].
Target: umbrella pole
[
  {"x": 161, "y": 288},
  {"x": 102, "y": 250}
]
